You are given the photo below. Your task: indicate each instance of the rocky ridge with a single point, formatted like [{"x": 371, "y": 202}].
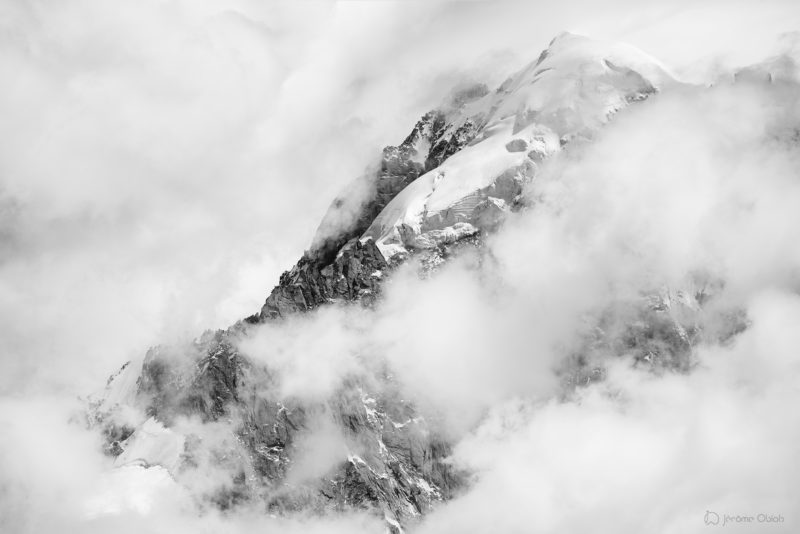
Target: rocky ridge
[{"x": 457, "y": 175}]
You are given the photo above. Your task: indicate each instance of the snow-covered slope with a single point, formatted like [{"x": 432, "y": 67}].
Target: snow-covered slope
[{"x": 574, "y": 87}]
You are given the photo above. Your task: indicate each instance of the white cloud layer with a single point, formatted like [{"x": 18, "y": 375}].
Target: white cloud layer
[{"x": 162, "y": 162}]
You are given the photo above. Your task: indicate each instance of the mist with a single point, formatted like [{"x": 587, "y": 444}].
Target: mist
[
  {"x": 693, "y": 189},
  {"x": 163, "y": 162}
]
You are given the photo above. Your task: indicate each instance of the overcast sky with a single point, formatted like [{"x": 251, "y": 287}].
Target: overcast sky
[{"x": 162, "y": 162}]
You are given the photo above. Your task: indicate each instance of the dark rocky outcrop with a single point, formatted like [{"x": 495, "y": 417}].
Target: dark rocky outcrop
[
  {"x": 340, "y": 267},
  {"x": 354, "y": 274},
  {"x": 399, "y": 469}
]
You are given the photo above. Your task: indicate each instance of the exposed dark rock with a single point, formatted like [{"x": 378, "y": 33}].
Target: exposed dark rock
[
  {"x": 446, "y": 146},
  {"x": 354, "y": 274},
  {"x": 114, "y": 435},
  {"x": 317, "y": 277},
  {"x": 657, "y": 332},
  {"x": 400, "y": 469},
  {"x": 517, "y": 145}
]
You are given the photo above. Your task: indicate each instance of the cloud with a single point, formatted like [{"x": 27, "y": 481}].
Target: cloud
[
  {"x": 644, "y": 452},
  {"x": 459, "y": 342},
  {"x": 701, "y": 180},
  {"x": 162, "y": 163},
  {"x": 321, "y": 448},
  {"x": 691, "y": 186},
  {"x": 692, "y": 189},
  {"x": 56, "y": 480},
  {"x": 151, "y": 152},
  {"x": 310, "y": 355}
]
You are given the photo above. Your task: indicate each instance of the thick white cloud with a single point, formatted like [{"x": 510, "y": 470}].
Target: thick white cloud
[
  {"x": 310, "y": 367},
  {"x": 647, "y": 453},
  {"x": 704, "y": 180},
  {"x": 162, "y": 162}
]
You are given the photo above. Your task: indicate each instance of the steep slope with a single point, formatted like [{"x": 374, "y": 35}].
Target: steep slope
[
  {"x": 462, "y": 167},
  {"x": 574, "y": 87},
  {"x": 455, "y": 177}
]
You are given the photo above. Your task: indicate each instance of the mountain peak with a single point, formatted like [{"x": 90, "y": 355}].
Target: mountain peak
[
  {"x": 454, "y": 179},
  {"x": 571, "y": 90},
  {"x": 565, "y": 37}
]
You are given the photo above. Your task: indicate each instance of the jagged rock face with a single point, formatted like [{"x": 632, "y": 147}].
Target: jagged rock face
[
  {"x": 449, "y": 145},
  {"x": 343, "y": 268},
  {"x": 657, "y": 332},
  {"x": 398, "y": 467},
  {"x": 492, "y": 145},
  {"x": 455, "y": 178},
  {"x": 354, "y": 274},
  {"x": 436, "y": 136},
  {"x": 203, "y": 379}
]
